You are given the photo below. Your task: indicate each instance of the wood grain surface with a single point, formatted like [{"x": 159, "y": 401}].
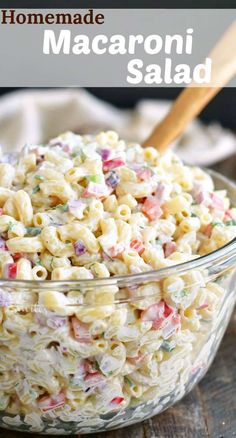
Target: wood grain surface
[{"x": 209, "y": 411}]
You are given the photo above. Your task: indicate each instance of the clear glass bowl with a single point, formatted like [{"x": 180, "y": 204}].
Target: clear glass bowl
[{"x": 138, "y": 362}]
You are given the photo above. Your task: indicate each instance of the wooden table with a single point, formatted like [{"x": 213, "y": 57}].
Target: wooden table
[{"x": 209, "y": 411}]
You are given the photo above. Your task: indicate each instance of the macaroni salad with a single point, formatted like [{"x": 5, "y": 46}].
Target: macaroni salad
[{"x": 94, "y": 207}]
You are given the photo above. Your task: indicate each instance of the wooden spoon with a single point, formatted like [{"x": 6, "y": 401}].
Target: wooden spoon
[{"x": 193, "y": 99}]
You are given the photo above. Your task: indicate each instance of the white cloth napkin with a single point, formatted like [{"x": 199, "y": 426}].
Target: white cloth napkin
[{"x": 34, "y": 117}]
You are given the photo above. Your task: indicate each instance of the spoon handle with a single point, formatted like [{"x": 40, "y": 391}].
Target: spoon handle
[{"x": 193, "y": 99}]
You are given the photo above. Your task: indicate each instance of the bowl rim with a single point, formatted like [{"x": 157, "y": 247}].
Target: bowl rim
[{"x": 225, "y": 252}]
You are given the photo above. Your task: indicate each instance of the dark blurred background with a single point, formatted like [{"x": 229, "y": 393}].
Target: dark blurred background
[
  {"x": 222, "y": 108},
  {"x": 180, "y": 4}
]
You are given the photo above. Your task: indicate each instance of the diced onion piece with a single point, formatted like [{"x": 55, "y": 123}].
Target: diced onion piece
[
  {"x": 105, "y": 154},
  {"x": 201, "y": 197},
  {"x": 112, "y": 180},
  {"x": 96, "y": 190},
  {"x": 162, "y": 192},
  {"x": 55, "y": 321},
  {"x": 116, "y": 250},
  {"x": 2, "y": 244},
  {"x": 80, "y": 248},
  {"x": 217, "y": 202},
  {"x": 76, "y": 208}
]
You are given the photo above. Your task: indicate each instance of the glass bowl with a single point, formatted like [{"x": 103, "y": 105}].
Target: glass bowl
[{"x": 140, "y": 343}]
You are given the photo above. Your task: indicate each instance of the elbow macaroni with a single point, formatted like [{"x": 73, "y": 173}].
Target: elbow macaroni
[{"x": 88, "y": 208}]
